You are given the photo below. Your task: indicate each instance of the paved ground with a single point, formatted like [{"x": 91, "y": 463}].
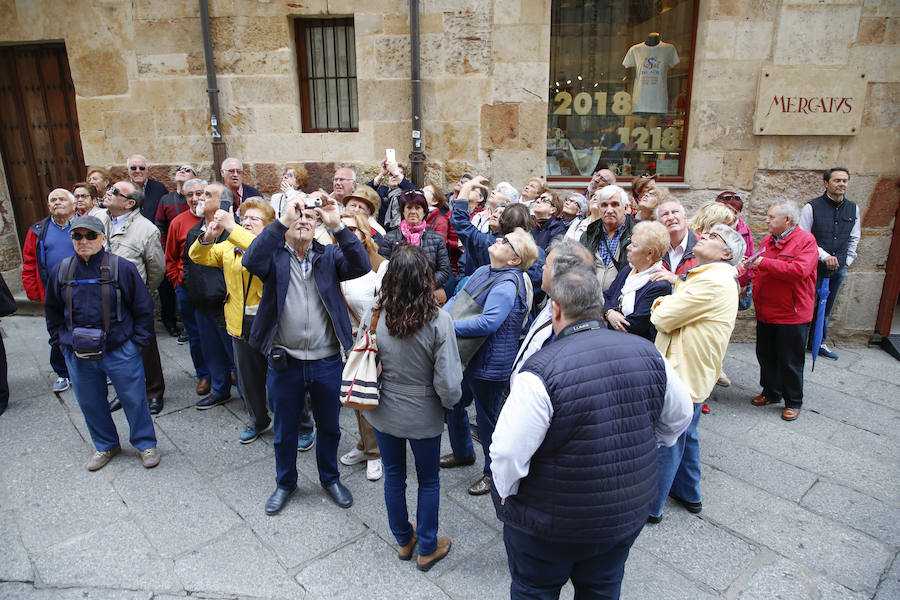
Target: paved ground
[{"x": 791, "y": 510}]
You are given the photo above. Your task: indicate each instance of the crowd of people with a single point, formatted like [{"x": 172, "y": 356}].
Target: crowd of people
[{"x": 588, "y": 330}]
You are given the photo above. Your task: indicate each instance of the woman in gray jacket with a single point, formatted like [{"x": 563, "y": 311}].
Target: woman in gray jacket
[{"x": 420, "y": 378}]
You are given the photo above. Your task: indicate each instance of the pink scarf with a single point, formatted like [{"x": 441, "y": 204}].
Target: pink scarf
[{"x": 412, "y": 234}]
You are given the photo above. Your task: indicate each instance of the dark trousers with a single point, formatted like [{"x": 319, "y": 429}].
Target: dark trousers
[
  {"x": 57, "y": 362},
  {"x": 539, "y": 568},
  {"x": 156, "y": 382},
  {"x": 835, "y": 279},
  {"x": 251, "y": 367},
  {"x": 4, "y": 382},
  {"x": 167, "y": 304},
  {"x": 186, "y": 308},
  {"x": 488, "y": 396},
  {"x": 781, "y": 352},
  {"x": 427, "y": 453},
  {"x": 287, "y": 384},
  {"x": 217, "y": 352}
]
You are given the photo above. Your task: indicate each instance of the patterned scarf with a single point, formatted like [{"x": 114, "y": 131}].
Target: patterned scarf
[{"x": 413, "y": 235}]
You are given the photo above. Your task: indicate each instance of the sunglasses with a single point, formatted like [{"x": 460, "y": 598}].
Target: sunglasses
[
  {"x": 137, "y": 168},
  {"x": 114, "y": 191},
  {"x": 90, "y": 235},
  {"x": 187, "y": 170},
  {"x": 544, "y": 199},
  {"x": 727, "y": 197},
  {"x": 510, "y": 244}
]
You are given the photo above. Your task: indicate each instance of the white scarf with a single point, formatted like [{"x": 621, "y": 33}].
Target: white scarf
[{"x": 633, "y": 283}]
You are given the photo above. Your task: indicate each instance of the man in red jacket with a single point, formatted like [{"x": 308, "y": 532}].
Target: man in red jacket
[{"x": 783, "y": 293}]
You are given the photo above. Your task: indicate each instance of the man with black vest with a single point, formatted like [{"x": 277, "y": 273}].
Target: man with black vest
[
  {"x": 834, "y": 222},
  {"x": 575, "y": 449}
]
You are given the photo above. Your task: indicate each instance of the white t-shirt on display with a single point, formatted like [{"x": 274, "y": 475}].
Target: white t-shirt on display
[{"x": 651, "y": 64}]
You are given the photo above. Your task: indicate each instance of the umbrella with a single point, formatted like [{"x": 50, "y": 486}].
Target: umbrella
[{"x": 819, "y": 325}]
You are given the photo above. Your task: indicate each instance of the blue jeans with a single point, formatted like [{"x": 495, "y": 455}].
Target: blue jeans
[
  {"x": 539, "y": 567},
  {"x": 287, "y": 386},
  {"x": 427, "y": 453},
  {"x": 835, "y": 279},
  {"x": 124, "y": 368},
  {"x": 186, "y": 308},
  {"x": 58, "y": 362},
  {"x": 679, "y": 467},
  {"x": 217, "y": 351},
  {"x": 488, "y": 396}
]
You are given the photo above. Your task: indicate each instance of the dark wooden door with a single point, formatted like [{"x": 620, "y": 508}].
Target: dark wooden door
[{"x": 39, "y": 137}]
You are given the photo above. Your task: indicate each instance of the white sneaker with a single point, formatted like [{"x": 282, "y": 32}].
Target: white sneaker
[
  {"x": 354, "y": 457},
  {"x": 723, "y": 381},
  {"x": 374, "y": 470}
]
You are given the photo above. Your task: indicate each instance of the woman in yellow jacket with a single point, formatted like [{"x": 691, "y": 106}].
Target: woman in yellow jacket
[{"x": 244, "y": 293}]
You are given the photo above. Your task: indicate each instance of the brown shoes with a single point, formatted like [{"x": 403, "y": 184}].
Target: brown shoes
[
  {"x": 448, "y": 461},
  {"x": 424, "y": 563},
  {"x": 761, "y": 401},
  {"x": 481, "y": 487},
  {"x": 101, "y": 457},
  {"x": 790, "y": 414},
  {"x": 203, "y": 387},
  {"x": 150, "y": 457},
  {"x": 406, "y": 552}
]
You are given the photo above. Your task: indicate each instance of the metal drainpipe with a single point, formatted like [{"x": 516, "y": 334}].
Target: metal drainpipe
[
  {"x": 219, "y": 149},
  {"x": 417, "y": 156}
]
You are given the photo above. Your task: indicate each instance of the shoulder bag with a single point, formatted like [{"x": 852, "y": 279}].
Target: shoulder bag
[{"x": 359, "y": 380}]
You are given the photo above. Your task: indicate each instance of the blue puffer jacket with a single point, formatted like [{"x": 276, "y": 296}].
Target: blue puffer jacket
[
  {"x": 495, "y": 358},
  {"x": 137, "y": 305},
  {"x": 268, "y": 259}
]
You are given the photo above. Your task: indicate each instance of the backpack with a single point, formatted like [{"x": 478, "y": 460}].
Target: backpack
[{"x": 88, "y": 343}]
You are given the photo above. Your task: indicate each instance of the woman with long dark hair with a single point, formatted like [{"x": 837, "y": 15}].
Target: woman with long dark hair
[{"x": 420, "y": 379}]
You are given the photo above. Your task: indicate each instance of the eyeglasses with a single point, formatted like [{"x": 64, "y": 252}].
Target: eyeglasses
[
  {"x": 186, "y": 170},
  {"x": 602, "y": 178},
  {"x": 713, "y": 234},
  {"x": 90, "y": 235},
  {"x": 727, "y": 197},
  {"x": 114, "y": 191},
  {"x": 503, "y": 240},
  {"x": 233, "y": 171},
  {"x": 137, "y": 168},
  {"x": 77, "y": 196},
  {"x": 544, "y": 199}
]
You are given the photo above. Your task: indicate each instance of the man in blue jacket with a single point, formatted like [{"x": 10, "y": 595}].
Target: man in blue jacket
[
  {"x": 302, "y": 325},
  {"x": 96, "y": 291}
]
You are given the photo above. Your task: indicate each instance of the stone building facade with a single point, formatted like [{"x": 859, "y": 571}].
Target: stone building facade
[{"x": 140, "y": 86}]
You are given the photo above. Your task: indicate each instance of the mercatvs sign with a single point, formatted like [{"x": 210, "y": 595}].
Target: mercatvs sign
[{"x": 809, "y": 101}]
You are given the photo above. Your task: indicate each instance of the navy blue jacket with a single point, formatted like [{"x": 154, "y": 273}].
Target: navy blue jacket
[
  {"x": 547, "y": 231},
  {"x": 594, "y": 476},
  {"x": 268, "y": 259},
  {"x": 153, "y": 193},
  {"x": 639, "y": 320},
  {"x": 137, "y": 305}
]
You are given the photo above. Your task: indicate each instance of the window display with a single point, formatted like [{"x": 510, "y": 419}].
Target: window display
[{"x": 619, "y": 86}]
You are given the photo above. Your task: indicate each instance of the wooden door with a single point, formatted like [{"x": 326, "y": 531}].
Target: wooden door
[{"x": 39, "y": 136}]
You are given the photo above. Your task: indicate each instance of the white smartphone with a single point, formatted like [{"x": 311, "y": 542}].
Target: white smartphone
[{"x": 390, "y": 155}]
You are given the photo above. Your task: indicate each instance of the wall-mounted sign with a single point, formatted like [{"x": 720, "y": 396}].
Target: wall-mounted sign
[{"x": 809, "y": 101}]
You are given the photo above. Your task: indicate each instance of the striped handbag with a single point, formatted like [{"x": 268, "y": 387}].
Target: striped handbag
[{"x": 359, "y": 380}]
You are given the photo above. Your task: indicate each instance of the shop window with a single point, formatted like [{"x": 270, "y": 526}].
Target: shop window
[
  {"x": 619, "y": 86},
  {"x": 326, "y": 57}
]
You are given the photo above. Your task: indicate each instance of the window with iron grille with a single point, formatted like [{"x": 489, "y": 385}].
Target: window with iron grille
[{"x": 326, "y": 55}]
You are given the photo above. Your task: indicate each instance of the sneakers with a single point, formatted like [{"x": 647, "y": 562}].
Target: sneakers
[
  {"x": 374, "y": 470},
  {"x": 723, "y": 380},
  {"x": 101, "y": 457},
  {"x": 62, "y": 384},
  {"x": 354, "y": 457},
  {"x": 211, "y": 401},
  {"x": 251, "y": 434},
  {"x": 150, "y": 457},
  {"x": 424, "y": 563},
  {"x": 823, "y": 351},
  {"x": 305, "y": 441},
  {"x": 183, "y": 338}
]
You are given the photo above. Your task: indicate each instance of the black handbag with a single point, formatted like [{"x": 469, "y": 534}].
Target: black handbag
[{"x": 7, "y": 303}]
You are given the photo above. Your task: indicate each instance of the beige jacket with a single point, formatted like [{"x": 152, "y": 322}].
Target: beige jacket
[
  {"x": 695, "y": 323},
  {"x": 137, "y": 241}
]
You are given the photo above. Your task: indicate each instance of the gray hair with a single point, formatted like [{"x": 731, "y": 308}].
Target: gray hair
[
  {"x": 577, "y": 293},
  {"x": 231, "y": 159},
  {"x": 505, "y": 189},
  {"x": 788, "y": 208},
  {"x": 69, "y": 195},
  {"x": 580, "y": 200},
  {"x": 669, "y": 201},
  {"x": 194, "y": 181},
  {"x": 133, "y": 156},
  {"x": 734, "y": 242},
  {"x": 352, "y": 172},
  {"x": 570, "y": 254},
  {"x": 608, "y": 191},
  {"x": 225, "y": 193}
]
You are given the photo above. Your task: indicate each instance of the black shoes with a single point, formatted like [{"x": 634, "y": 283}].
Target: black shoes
[
  {"x": 340, "y": 494},
  {"x": 211, "y": 401},
  {"x": 114, "y": 405},
  {"x": 692, "y": 507},
  {"x": 156, "y": 405},
  {"x": 278, "y": 499}
]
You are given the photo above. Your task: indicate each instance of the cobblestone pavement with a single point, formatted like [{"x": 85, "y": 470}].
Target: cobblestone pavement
[{"x": 805, "y": 510}]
